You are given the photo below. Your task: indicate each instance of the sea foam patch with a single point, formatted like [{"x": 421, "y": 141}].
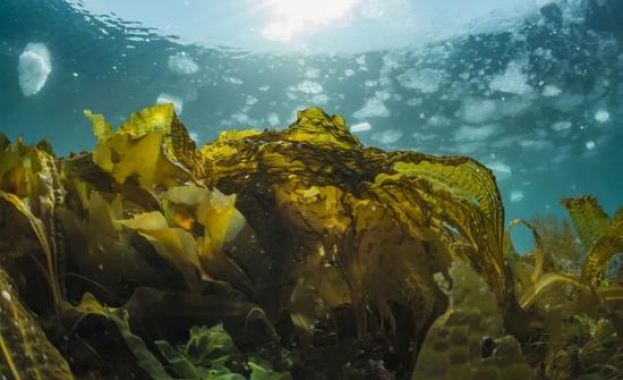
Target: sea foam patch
[
  {"x": 168, "y": 98},
  {"x": 361, "y": 127},
  {"x": 500, "y": 169},
  {"x": 516, "y": 196},
  {"x": 33, "y": 68},
  {"x": 182, "y": 64}
]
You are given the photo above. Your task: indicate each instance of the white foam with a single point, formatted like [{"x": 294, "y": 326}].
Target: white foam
[
  {"x": 242, "y": 119},
  {"x": 560, "y": 126},
  {"x": 601, "y": 116},
  {"x": 387, "y": 137},
  {"x": 250, "y": 101},
  {"x": 424, "y": 80},
  {"x": 543, "y": 3},
  {"x": 233, "y": 80},
  {"x": 500, "y": 169},
  {"x": 320, "y": 99},
  {"x": 470, "y": 133},
  {"x": 33, "y": 68},
  {"x": 550, "y": 90},
  {"x": 424, "y": 137},
  {"x": 309, "y": 87},
  {"x": 273, "y": 119},
  {"x": 312, "y": 73},
  {"x": 535, "y": 144},
  {"x": 168, "y": 98},
  {"x": 182, "y": 64},
  {"x": 478, "y": 110},
  {"x": 360, "y": 127},
  {"x": 374, "y": 107},
  {"x": 513, "y": 80},
  {"x": 516, "y": 196},
  {"x": 590, "y": 145}
]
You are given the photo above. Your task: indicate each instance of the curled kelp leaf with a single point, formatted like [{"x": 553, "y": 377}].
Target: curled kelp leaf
[
  {"x": 546, "y": 281},
  {"x": 606, "y": 246},
  {"x": 177, "y": 146},
  {"x": 139, "y": 150},
  {"x": 465, "y": 179},
  {"x": 308, "y": 228},
  {"x": 386, "y": 221},
  {"x": 539, "y": 255},
  {"x": 601, "y": 236},
  {"x": 588, "y": 217}
]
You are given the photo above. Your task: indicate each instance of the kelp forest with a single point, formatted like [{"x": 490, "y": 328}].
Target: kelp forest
[{"x": 291, "y": 254}]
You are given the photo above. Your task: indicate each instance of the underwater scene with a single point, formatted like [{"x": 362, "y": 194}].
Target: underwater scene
[{"x": 296, "y": 189}]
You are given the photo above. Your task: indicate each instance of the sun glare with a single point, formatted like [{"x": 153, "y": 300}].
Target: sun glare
[{"x": 293, "y": 17}]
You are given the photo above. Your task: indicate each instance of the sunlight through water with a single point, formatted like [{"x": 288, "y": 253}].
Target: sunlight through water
[{"x": 293, "y": 17}]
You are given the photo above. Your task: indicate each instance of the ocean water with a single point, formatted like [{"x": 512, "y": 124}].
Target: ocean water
[{"x": 534, "y": 89}]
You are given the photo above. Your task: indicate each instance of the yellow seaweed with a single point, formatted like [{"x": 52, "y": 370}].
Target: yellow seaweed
[
  {"x": 40, "y": 232},
  {"x": 26, "y": 352},
  {"x": 589, "y": 218},
  {"x": 605, "y": 246}
]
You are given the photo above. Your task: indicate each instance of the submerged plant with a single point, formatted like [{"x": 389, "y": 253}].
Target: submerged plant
[{"x": 359, "y": 262}]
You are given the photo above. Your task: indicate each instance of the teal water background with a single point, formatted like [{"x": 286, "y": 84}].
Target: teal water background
[{"x": 541, "y": 102}]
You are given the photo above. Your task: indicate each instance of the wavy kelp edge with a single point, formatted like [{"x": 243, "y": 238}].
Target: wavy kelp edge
[{"x": 462, "y": 214}]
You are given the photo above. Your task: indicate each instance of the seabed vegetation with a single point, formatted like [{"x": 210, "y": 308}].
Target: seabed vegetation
[{"x": 291, "y": 254}]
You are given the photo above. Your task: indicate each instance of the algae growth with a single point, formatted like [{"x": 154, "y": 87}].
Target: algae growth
[{"x": 295, "y": 253}]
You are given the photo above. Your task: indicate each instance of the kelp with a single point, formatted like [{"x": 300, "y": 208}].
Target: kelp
[
  {"x": 25, "y": 350},
  {"x": 589, "y": 218},
  {"x": 601, "y": 236},
  {"x": 568, "y": 301},
  {"x": 367, "y": 211},
  {"x": 358, "y": 263}
]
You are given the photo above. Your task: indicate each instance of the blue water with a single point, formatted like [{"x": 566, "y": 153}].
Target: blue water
[{"x": 540, "y": 102}]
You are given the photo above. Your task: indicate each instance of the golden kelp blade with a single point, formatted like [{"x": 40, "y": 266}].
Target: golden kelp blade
[
  {"x": 588, "y": 217},
  {"x": 328, "y": 190},
  {"x": 531, "y": 294},
  {"x": 160, "y": 120},
  {"x": 466, "y": 180},
  {"x": 606, "y": 246},
  {"x": 39, "y": 230},
  {"x": 101, "y": 128},
  {"x": 26, "y": 352},
  {"x": 539, "y": 256}
]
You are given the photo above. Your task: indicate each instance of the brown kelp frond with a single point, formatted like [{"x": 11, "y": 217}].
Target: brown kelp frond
[
  {"x": 371, "y": 212},
  {"x": 39, "y": 229},
  {"x": 298, "y": 239},
  {"x": 601, "y": 236},
  {"x": 136, "y": 149},
  {"x": 25, "y": 350},
  {"x": 531, "y": 294},
  {"x": 588, "y": 217},
  {"x": 559, "y": 243},
  {"x": 472, "y": 189},
  {"x": 538, "y": 252},
  {"x": 609, "y": 243}
]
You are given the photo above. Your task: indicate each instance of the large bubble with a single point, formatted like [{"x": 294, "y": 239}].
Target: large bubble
[{"x": 33, "y": 68}]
